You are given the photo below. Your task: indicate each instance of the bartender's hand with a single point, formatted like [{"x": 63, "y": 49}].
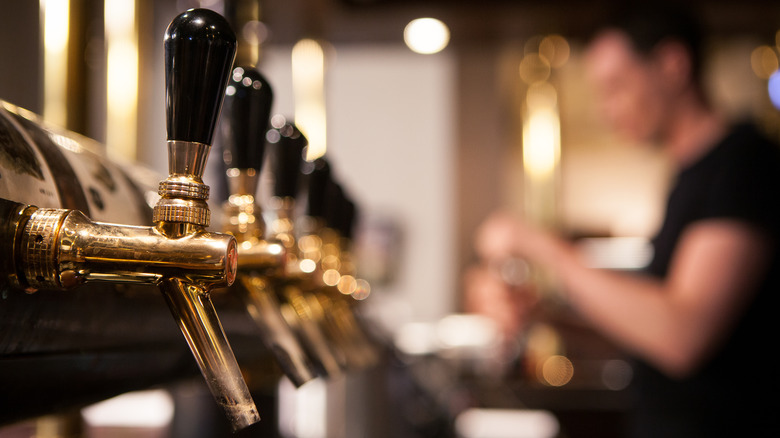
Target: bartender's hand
[
  {"x": 509, "y": 306},
  {"x": 503, "y": 236}
]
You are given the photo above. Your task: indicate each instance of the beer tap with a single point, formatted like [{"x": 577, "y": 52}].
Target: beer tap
[
  {"x": 287, "y": 149},
  {"x": 334, "y": 283},
  {"x": 61, "y": 248},
  {"x": 243, "y": 134}
]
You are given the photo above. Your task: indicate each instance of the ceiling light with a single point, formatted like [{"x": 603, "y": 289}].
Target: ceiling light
[{"x": 426, "y": 35}]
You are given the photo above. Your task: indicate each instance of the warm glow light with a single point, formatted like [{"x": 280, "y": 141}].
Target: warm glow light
[
  {"x": 309, "y": 243},
  {"x": 347, "y": 284},
  {"x": 330, "y": 261},
  {"x": 534, "y": 69},
  {"x": 539, "y": 154},
  {"x": 557, "y": 370},
  {"x": 308, "y": 76},
  {"x": 541, "y": 132},
  {"x": 122, "y": 78},
  {"x": 764, "y": 61},
  {"x": 426, "y": 35},
  {"x": 56, "y": 18},
  {"x": 308, "y": 265},
  {"x": 331, "y": 277},
  {"x": 275, "y": 249},
  {"x": 555, "y": 49}
]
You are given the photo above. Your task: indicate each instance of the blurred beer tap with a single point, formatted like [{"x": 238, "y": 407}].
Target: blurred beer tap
[
  {"x": 262, "y": 259},
  {"x": 53, "y": 248},
  {"x": 287, "y": 147},
  {"x": 339, "y": 289},
  {"x": 247, "y": 109},
  {"x": 327, "y": 280}
]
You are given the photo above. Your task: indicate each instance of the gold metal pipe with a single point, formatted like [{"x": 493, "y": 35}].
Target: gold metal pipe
[
  {"x": 306, "y": 318},
  {"x": 63, "y": 248},
  {"x": 265, "y": 309},
  {"x": 304, "y": 314},
  {"x": 336, "y": 311},
  {"x": 197, "y": 319},
  {"x": 262, "y": 268}
]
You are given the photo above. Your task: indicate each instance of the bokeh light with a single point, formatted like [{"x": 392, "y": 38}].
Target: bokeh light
[
  {"x": 362, "y": 289},
  {"x": 331, "y": 277},
  {"x": 347, "y": 284},
  {"x": 308, "y": 265},
  {"x": 555, "y": 49},
  {"x": 426, "y": 35},
  {"x": 557, "y": 370},
  {"x": 764, "y": 61},
  {"x": 534, "y": 69},
  {"x": 774, "y": 89}
]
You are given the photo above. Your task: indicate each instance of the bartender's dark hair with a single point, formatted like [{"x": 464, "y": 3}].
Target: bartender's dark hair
[{"x": 651, "y": 23}]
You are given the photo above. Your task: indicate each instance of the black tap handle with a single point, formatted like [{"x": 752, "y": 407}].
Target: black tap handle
[
  {"x": 318, "y": 178},
  {"x": 246, "y": 114},
  {"x": 348, "y": 218},
  {"x": 199, "y": 50},
  {"x": 340, "y": 210},
  {"x": 287, "y": 146},
  {"x": 334, "y": 200}
]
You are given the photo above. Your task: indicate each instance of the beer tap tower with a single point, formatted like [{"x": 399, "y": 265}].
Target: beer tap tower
[{"x": 60, "y": 248}]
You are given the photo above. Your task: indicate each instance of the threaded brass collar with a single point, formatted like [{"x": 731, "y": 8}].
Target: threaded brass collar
[
  {"x": 39, "y": 247},
  {"x": 183, "y": 189},
  {"x": 191, "y": 211}
]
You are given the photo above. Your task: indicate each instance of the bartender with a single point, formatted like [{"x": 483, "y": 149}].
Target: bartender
[{"x": 700, "y": 320}]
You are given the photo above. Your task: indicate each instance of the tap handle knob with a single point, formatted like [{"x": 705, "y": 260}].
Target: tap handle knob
[
  {"x": 318, "y": 177},
  {"x": 287, "y": 146},
  {"x": 334, "y": 201},
  {"x": 347, "y": 218},
  {"x": 199, "y": 50},
  {"x": 247, "y": 112},
  {"x": 340, "y": 210}
]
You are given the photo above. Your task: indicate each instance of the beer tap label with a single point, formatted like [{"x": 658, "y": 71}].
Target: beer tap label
[{"x": 23, "y": 175}]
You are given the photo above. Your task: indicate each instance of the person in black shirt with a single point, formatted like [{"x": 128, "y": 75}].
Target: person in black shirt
[{"x": 700, "y": 322}]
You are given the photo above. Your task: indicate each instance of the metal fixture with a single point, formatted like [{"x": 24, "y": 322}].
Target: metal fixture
[
  {"x": 56, "y": 248},
  {"x": 262, "y": 259}
]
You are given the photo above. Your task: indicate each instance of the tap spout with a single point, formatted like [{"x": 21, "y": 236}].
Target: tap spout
[
  {"x": 194, "y": 313},
  {"x": 266, "y": 310}
]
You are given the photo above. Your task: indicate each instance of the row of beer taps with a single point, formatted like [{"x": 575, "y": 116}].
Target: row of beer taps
[
  {"x": 291, "y": 263},
  {"x": 295, "y": 268},
  {"x": 295, "y": 271}
]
